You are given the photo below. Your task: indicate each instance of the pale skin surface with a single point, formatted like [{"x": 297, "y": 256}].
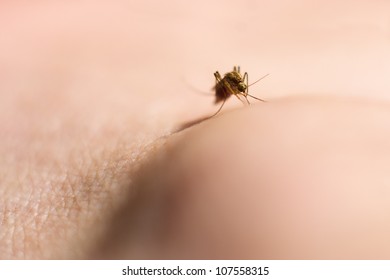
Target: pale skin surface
[{"x": 89, "y": 97}]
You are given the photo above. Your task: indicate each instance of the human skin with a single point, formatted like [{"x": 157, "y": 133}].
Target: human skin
[{"x": 93, "y": 163}]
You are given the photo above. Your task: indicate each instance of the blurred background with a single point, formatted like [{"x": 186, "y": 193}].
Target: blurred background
[{"x": 127, "y": 55}]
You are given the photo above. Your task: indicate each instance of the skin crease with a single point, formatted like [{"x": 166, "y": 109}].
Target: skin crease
[{"x": 88, "y": 168}]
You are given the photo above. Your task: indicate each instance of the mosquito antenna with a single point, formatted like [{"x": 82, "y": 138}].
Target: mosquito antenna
[{"x": 258, "y": 81}]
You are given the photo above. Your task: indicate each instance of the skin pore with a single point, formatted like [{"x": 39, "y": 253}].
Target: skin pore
[{"x": 89, "y": 168}]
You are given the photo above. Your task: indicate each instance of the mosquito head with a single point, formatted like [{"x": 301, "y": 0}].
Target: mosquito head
[{"x": 241, "y": 86}]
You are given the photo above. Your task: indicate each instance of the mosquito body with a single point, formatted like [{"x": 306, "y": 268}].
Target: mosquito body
[{"x": 232, "y": 83}]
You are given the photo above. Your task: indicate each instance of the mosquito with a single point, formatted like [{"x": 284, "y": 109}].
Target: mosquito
[{"x": 233, "y": 83}]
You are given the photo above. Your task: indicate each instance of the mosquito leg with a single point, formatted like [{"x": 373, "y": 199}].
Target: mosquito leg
[
  {"x": 246, "y": 82},
  {"x": 218, "y": 77},
  {"x": 246, "y": 98},
  {"x": 256, "y": 98},
  {"x": 248, "y": 85},
  {"x": 223, "y": 103}
]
